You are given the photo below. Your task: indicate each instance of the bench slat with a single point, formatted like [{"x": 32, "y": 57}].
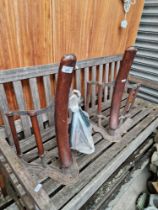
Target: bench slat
[
  {"x": 112, "y": 78},
  {"x": 100, "y": 73},
  {"x": 93, "y": 86},
  {"x": 67, "y": 192},
  {"x": 22, "y": 73},
  {"x": 36, "y": 99},
  {"x": 117, "y": 67},
  {"x": 106, "y": 80},
  {"x": 78, "y": 79},
  {"x": 22, "y": 106},
  {"x": 86, "y": 78},
  {"x": 49, "y": 98},
  {"x": 4, "y": 108},
  {"x": 40, "y": 198},
  {"x": 103, "y": 175}
]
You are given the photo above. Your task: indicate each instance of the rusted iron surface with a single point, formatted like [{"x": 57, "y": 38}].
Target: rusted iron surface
[
  {"x": 119, "y": 88},
  {"x": 66, "y": 68},
  {"x": 14, "y": 133}
]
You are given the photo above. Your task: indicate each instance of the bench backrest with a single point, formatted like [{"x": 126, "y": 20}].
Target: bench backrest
[{"x": 97, "y": 69}]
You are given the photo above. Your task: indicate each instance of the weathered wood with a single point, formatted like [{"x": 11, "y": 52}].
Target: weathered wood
[
  {"x": 86, "y": 79},
  {"x": 112, "y": 78},
  {"x": 20, "y": 100},
  {"x": 49, "y": 98},
  {"x": 145, "y": 82},
  {"x": 36, "y": 99},
  {"x": 106, "y": 79},
  {"x": 105, "y": 193},
  {"x": 91, "y": 166},
  {"x": 100, "y": 74},
  {"x": 11, "y": 75},
  {"x": 100, "y": 178},
  {"x": 84, "y": 160},
  {"x": 51, "y": 144},
  {"x": 93, "y": 86},
  {"x": 117, "y": 67},
  {"x": 27, "y": 144},
  {"x": 4, "y": 109},
  {"x": 78, "y": 79},
  {"x": 40, "y": 198},
  {"x": 67, "y": 192}
]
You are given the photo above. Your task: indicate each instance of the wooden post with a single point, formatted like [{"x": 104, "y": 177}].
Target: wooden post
[
  {"x": 100, "y": 91},
  {"x": 88, "y": 95},
  {"x": 119, "y": 88},
  {"x": 67, "y": 65},
  {"x": 14, "y": 133},
  {"x": 37, "y": 133}
]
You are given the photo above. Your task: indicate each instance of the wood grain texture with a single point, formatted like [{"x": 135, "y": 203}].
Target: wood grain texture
[{"x": 41, "y": 31}]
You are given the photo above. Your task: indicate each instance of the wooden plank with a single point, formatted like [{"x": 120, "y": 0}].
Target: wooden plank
[
  {"x": 40, "y": 198},
  {"x": 17, "y": 187},
  {"x": 49, "y": 98},
  {"x": 145, "y": 82},
  {"x": 11, "y": 75},
  {"x": 93, "y": 86},
  {"x": 117, "y": 67},
  {"x": 100, "y": 73},
  {"x": 78, "y": 79},
  {"x": 4, "y": 108},
  {"x": 141, "y": 155},
  {"x": 83, "y": 160},
  {"x": 112, "y": 78},
  {"x": 67, "y": 192},
  {"x": 27, "y": 144},
  {"x": 106, "y": 79},
  {"x": 86, "y": 79},
  {"x": 36, "y": 99},
  {"x": 32, "y": 154},
  {"x": 113, "y": 165},
  {"x": 20, "y": 100},
  {"x": 51, "y": 186}
]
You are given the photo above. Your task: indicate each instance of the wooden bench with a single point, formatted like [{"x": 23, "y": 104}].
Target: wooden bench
[{"x": 94, "y": 169}]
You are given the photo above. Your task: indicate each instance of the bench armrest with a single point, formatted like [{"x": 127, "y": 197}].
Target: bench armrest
[{"x": 40, "y": 198}]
